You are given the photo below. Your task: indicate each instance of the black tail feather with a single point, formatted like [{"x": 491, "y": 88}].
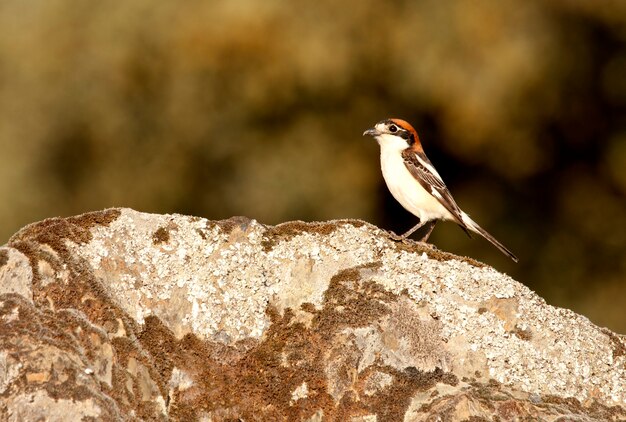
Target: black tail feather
[{"x": 471, "y": 224}]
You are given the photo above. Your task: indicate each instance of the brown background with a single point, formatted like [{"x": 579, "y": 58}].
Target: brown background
[{"x": 256, "y": 108}]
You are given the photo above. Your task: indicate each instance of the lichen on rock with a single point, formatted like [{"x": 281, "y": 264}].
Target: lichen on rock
[{"x": 133, "y": 316}]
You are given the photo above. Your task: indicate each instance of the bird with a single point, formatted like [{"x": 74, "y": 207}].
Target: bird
[{"x": 415, "y": 183}]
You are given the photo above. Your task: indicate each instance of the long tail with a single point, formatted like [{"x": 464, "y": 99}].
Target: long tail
[{"x": 473, "y": 226}]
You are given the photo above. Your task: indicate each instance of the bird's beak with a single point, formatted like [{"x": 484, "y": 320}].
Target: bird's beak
[{"x": 371, "y": 132}]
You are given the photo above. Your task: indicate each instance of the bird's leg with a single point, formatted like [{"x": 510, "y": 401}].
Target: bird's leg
[
  {"x": 413, "y": 230},
  {"x": 429, "y": 230}
]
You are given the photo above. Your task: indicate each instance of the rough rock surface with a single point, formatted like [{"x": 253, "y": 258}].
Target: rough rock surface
[{"x": 120, "y": 315}]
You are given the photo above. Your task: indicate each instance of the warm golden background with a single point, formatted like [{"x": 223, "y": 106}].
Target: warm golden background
[{"x": 256, "y": 108}]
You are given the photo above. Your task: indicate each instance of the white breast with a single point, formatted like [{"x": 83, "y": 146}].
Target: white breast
[{"x": 406, "y": 189}]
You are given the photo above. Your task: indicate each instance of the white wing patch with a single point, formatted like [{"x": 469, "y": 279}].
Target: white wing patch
[{"x": 429, "y": 167}]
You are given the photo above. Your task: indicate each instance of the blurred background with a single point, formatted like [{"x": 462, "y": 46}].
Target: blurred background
[{"x": 256, "y": 108}]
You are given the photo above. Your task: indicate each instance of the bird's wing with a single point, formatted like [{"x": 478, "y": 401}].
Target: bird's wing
[{"x": 424, "y": 172}]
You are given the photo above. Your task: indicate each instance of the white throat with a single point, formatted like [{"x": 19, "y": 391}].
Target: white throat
[{"x": 389, "y": 143}]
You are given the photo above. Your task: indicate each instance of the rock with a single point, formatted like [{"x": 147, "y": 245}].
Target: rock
[{"x": 121, "y": 315}]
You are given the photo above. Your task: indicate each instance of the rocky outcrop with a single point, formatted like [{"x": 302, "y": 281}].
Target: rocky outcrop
[{"x": 120, "y": 315}]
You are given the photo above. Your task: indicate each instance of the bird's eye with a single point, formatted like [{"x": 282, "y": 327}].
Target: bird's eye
[{"x": 393, "y": 128}]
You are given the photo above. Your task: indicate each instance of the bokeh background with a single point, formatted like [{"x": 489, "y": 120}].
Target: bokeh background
[{"x": 256, "y": 108}]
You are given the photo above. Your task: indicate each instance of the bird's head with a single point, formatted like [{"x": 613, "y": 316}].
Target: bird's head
[{"x": 397, "y": 134}]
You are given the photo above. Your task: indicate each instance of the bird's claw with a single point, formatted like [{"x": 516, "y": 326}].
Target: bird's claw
[
  {"x": 428, "y": 245},
  {"x": 396, "y": 237},
  {"x": 399, "y": 238}
]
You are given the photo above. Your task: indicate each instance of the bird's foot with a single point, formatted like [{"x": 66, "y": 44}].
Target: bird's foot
[
  {"x": 396, "y": 237},
  {"x": 428, "y": 245}
]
